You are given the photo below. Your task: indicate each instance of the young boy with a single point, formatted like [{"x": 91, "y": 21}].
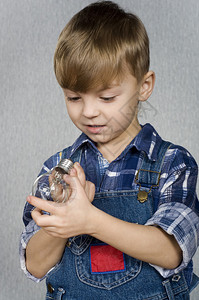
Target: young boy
[{"x": 130, "y": 227}]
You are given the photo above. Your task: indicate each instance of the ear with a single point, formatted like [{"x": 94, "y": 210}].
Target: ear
[{"x": 146, "y": 86}]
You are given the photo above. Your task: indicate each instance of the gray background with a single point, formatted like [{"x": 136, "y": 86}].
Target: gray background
[{"x": 34, "y": 123}]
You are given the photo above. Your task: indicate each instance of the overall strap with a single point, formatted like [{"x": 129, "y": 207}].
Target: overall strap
[
  {"x": 149, "y": 172},
  {"x": 148, "y": 176}
]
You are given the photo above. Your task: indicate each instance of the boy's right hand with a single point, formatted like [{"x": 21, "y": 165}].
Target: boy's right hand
[{"x": 70, "y": 218}]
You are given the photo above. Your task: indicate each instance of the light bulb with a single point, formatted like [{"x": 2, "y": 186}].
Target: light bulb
[{"x": 51, "y": 186}]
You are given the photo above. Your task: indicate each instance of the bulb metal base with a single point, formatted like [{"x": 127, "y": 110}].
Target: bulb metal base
[{"x": 66, "y": 165}]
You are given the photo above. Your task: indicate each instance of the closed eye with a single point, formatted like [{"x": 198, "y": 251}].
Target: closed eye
[
  {"x": 73, "y": 98},
  {"x": 107, "y": 98}
]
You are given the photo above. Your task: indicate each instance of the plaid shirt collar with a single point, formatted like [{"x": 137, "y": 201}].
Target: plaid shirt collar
[{"x": 147, "y": 140}]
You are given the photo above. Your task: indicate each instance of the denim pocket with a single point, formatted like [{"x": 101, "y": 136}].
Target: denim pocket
[{"x": 116, "y": 271}]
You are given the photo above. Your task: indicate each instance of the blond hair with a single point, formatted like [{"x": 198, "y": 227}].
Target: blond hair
[{"x": 97, "y": 45}]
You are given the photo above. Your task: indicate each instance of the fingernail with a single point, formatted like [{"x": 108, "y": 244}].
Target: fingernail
[
  {"x": 72, "y": 172},
  {"x": 28, "y": 199},
  {"x": 77, "y": 163}
]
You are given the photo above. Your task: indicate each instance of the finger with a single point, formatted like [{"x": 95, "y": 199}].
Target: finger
[
  {"x": 80, "y": 173},
  {"x": 45, "y": 221},
  {"x": 73, "y": 172},
  {"x": 36, "y": 211},
  {"x": 38, "y": 217},
  {"x": 41, "y": 204},
  {"x": 74, "y": 184}
]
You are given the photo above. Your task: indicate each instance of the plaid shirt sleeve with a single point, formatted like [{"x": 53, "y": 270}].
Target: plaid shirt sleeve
[
  {"x": 31, "y": 227},
  {"x": 178, "y": 211}
]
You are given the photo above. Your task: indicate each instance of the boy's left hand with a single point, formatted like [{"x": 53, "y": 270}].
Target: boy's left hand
[{"x": 70, "y": 218}]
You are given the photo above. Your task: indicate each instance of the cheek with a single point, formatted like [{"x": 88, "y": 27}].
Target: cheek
[
  {"x": 72, "y": 112},
  {"x": 128, "y": 112}
]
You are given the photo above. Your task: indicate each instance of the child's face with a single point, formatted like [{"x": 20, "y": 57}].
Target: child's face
[{"x": 107, "y": 116}]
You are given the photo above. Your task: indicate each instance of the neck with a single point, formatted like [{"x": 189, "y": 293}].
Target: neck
[{"x": 112, "y": 149}]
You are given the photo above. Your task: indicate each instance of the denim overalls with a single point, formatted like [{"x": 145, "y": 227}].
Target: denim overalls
[{"x": 91, "y": 270}]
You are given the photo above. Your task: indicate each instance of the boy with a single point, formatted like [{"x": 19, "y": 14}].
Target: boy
[{"x": 130, "y": 227}]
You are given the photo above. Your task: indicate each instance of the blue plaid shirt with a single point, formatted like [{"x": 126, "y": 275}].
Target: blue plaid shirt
[{"x": 178, "y": 208}]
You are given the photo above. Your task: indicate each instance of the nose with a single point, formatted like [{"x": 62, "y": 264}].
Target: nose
[{"x": 90, "y": 108}]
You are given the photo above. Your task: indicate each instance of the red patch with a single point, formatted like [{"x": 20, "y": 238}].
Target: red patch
[{"x": 104, "y": 258}]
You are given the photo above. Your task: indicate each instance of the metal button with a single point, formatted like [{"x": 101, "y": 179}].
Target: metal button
[
  {"x": 61, "y": 290},
  {"x": 142, "y": 196},
  {"x": 68, "y": 243},
  {"x": 176, "y": 277}
]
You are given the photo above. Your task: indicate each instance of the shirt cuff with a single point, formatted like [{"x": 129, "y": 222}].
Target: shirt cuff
[
  {"x": 182, "y": 222},
  {"x": 26, "y": 235}
]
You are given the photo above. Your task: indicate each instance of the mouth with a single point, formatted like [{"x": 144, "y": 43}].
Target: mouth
[
  {"x": 95, "y": 125},
  {"x": 95, "y": 128}
]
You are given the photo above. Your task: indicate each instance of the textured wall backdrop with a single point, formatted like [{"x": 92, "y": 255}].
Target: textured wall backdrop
[{"x": 34, "y": 123}]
